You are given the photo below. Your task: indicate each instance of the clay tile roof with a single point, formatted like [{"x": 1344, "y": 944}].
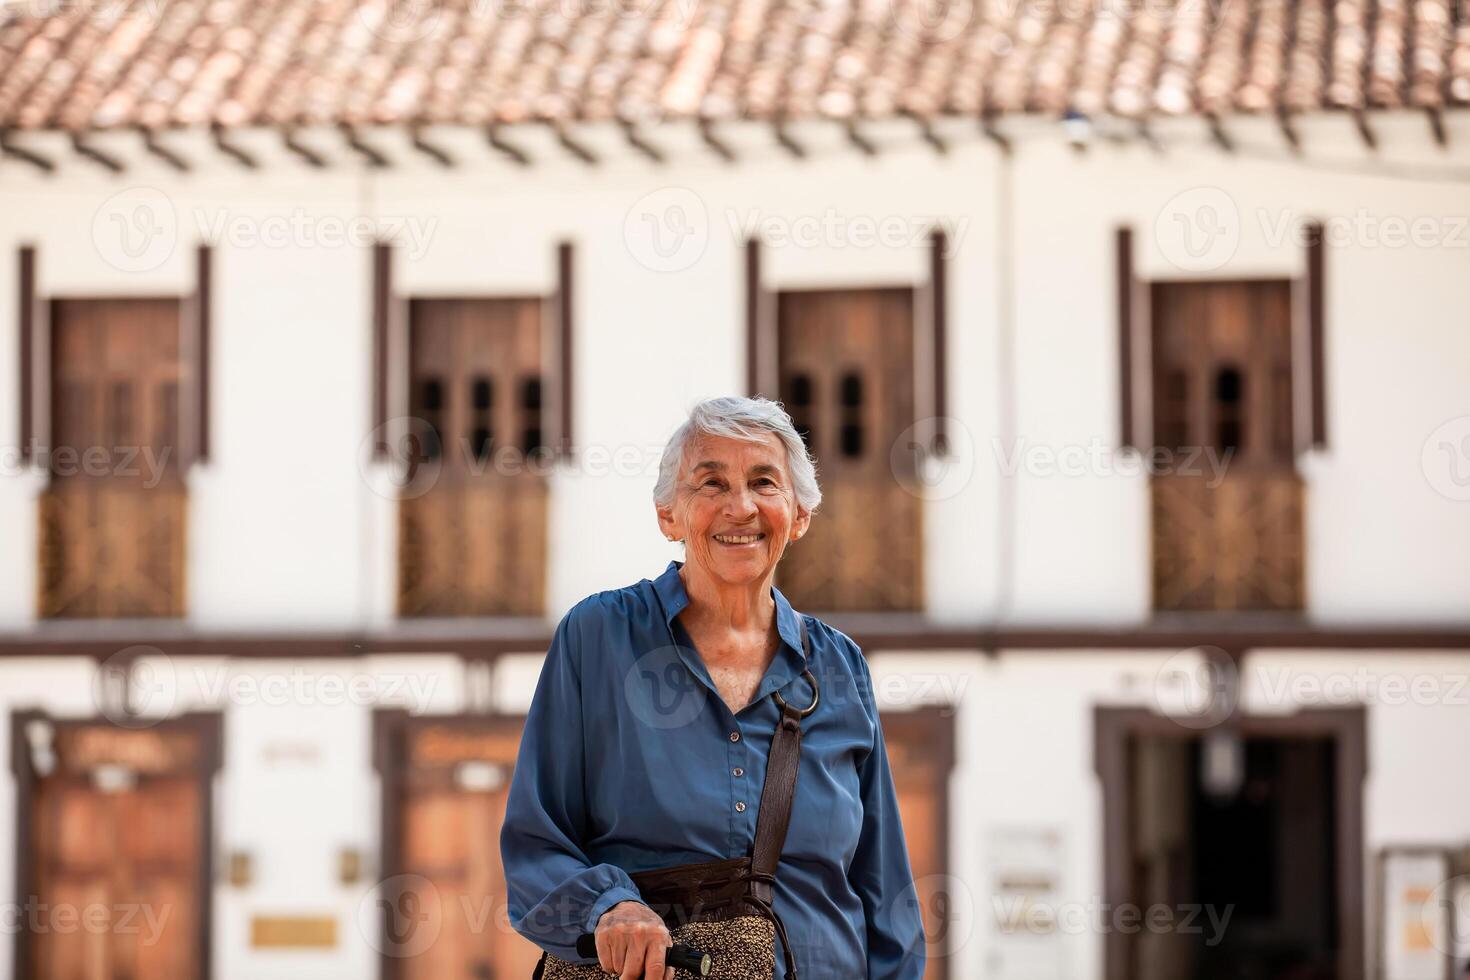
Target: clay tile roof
[{"x": 172, "y": 63}]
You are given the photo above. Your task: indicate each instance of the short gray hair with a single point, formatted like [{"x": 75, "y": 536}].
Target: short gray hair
[{"x": 750, "y": 419}]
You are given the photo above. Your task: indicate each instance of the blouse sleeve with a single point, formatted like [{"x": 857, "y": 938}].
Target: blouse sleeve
[
  {"x": 555, "y": 891},
  {"x": 880, "y": 870}
]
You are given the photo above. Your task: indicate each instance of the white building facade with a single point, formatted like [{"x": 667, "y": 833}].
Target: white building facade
[{"x": 1032, "y": 637}]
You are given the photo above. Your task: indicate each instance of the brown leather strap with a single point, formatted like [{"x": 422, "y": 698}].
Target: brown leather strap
[
  {"x": 780, "y": 787},
  {"x": 740, "y": 886}
]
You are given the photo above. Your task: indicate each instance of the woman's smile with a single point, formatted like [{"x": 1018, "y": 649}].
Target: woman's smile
[{"x": 747, "y": 539}]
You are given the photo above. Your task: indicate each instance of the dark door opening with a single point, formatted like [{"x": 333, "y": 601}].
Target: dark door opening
[
  {"x": 1236, "y": 851},
  {"x": 1251, "y": 864}
]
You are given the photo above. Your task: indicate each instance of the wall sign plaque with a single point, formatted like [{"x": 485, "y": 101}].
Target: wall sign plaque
[{"x": 293, "y": 931}]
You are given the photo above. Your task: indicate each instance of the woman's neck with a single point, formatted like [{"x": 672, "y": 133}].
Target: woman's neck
[{"x": 741, "y": 608}]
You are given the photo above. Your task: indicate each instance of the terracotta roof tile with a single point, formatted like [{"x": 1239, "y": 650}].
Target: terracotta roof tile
[{"x": 164, "y": 63}]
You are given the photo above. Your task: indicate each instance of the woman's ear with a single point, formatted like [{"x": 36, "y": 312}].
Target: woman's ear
[
  {"x": 802, "y": 522},
  {"x": 667, "y": 523}
]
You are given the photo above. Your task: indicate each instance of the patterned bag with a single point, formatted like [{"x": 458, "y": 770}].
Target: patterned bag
[{"x": 724, "y": 908}]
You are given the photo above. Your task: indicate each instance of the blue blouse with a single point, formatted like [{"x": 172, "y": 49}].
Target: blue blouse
[{"x": 631, "y": 761}]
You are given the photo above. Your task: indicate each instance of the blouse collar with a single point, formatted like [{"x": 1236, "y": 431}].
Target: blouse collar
[{"x": 674, "y": 598}]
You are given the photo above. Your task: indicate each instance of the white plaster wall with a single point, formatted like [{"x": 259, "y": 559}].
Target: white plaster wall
[
  {"x": 287, "y": 527},
  {"x": 288, "y": 530}
]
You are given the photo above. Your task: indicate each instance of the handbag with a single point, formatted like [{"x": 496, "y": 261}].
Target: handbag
[{"x": 725, "y": 907}]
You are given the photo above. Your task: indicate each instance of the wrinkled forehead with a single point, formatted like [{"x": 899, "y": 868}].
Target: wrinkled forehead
[{"x": 723, "y": 454}]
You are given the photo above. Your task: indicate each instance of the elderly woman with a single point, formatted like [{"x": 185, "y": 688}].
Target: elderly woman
[{"x": 672, "y": 719}]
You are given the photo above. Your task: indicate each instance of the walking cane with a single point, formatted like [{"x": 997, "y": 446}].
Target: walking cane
[{"x": 679, "y": 956}]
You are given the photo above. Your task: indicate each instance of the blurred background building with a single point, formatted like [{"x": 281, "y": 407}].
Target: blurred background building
[{"x": 339, "y": 340}]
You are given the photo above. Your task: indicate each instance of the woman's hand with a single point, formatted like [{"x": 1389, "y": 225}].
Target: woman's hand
[{"x": 632, "y": 942}]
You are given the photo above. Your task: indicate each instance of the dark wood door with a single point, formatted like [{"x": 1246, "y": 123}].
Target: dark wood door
[
  {"x": 1228, "y": 524},
  {"x": 452, "y": 779},
  {"x": 118, "y": 838},
  {"x": 474, "y": 543},
  {"x": 921, "y": 754},
  {"x": 113, "y": 519},
  {"x": 847, "y": 378}
]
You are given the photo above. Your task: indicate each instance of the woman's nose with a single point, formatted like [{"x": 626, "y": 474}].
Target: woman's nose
[{"x": 741, "y": 502}]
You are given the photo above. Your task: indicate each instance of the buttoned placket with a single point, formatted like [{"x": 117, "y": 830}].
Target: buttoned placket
[
  {"x": 737, "y": 757},
  {"x": 742, "y": 789}
]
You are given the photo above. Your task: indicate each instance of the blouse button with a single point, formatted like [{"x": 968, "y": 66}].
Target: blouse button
[
  {"x": 739, "y": 807},
  {"x": 737, "y": 771},
  {"x": 734, "y": 736}
]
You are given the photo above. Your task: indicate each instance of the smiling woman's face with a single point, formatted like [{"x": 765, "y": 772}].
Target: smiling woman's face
[{"x": 734, "y": 507}]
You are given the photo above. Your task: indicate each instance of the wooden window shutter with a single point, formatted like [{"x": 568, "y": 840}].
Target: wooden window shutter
[
  {"x": 1127, "y": 287},
  {"x": 31, "y": 426},
  {"x": 755, "y": 341},
  {"x": 200, "y": 325},
  {"x": 382, "y": 306},
  {"x": 761, "y": 345},
  {"x": 565, "y": 329},
  {"x": 1315, "y": 288},
  {"x": 939, "y": 328}
]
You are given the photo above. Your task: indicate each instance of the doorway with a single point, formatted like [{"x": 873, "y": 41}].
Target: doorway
[
  {"x": 114, "y": 827},
  {"x": 445, "y": 783},
  {"x": 1236, "y": 851}
]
